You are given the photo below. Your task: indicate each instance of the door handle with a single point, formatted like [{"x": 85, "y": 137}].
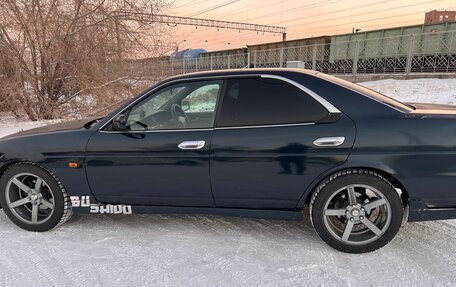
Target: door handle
[
  {"x": 192, "y": 145},
  {"x": 329, "y": 141}
]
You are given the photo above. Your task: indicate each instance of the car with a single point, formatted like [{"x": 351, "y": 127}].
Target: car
[{"x": 260, "y": 143}]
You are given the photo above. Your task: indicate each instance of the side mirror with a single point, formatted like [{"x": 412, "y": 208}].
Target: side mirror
[
  {"x": 119, "y": 123},
  {"x": 185, "y": 105}
]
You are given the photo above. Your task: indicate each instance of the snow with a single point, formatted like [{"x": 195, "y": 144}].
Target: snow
[
  {"x": 434, "y": 91},
  {"x": 190, "y": 250}
]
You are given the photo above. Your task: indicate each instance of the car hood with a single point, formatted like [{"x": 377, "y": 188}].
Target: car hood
[
  {"x": 65, "y": 126},
  {"x": 422, "y": 108}
]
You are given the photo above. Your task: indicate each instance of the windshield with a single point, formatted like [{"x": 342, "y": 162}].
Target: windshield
[{"x": 368, "y": 93}]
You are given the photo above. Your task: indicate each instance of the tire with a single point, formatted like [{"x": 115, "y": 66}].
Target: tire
[
  {"x": 33, "y": 198},
  {"x": 356, "y": 211}
]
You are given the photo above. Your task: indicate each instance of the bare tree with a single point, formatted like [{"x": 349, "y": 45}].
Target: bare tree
[{"x": 57, "y": 54}]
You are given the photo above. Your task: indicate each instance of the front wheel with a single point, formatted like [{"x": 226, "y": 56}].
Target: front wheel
[
  {"x": 33, "y": 198},
  {"x": 356, "y": 211}
]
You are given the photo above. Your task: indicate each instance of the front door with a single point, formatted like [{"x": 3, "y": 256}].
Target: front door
[{"x": 162, "y": 158}]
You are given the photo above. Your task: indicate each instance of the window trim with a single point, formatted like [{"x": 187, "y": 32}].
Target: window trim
[
  {"x": 328, "y": 106},
  {"x": 330, "y": 109}
]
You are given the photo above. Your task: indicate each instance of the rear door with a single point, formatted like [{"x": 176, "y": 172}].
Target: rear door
[{"x": 271, "y": 140}]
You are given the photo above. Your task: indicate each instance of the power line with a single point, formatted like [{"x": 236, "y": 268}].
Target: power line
[
  {"x": 233, "y": 37},
  {"x": 308, "y": 32},
  {"x": 190, "y": 3},
  {"x": 311, "y": 30},
  {"x": 363, "y": 13},
  {"x": 318, "y": 4},
  {"x": 321, "y": 3},
  {"x": 214, "y": 7},
  {"x": 319, "y": 28},
  {"x": 410, "y": 22},
  {"x": 339, "y": 30},
  {"x": 358, "y": 22},
  {"x": 297, "y": 9},
  {"x": 230, "y": 13}
]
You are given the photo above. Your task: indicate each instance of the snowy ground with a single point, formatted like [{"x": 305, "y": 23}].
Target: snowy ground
[
  {"x": 435, "y": 91},
  {"x": 177, "y": 250}
]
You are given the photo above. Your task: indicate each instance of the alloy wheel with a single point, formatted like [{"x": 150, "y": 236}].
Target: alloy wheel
[
  {"x": 30, "y": 198},
  {"x": 357, "y": 214}
]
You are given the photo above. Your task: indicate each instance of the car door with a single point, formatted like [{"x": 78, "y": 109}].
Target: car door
[
  {"x": 162, "y": 158},
  {"x": 271, "y": 140}
]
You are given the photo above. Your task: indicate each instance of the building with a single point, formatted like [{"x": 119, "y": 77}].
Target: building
[{"x": 435, "y": 16}]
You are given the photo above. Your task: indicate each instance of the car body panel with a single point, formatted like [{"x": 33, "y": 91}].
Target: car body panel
[
  {"x": 270, "y": 167},
  {"x": 52, "y": 151},
  {"x": 148, "y": 168}
]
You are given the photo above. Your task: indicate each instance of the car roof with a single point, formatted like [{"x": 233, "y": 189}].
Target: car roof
[{"x": 230, "y": 72}]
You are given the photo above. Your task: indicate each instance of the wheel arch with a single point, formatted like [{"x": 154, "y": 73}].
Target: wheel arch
[
  {"x": 8, "y": 164},
  {"x": 387, "y": 173}
]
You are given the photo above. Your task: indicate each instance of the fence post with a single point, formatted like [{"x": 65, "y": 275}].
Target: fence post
[
  {"x": 314, "y": 58},
  {"x": 355, "y": 58},
  {"x": 281, "y": 58},
  {"x": 196, "y": 64},
  {"x": 408, "y": 68},
  {"x": 248, "y": 60},
  {"x": 211, "y": 62},
  {"x": 255, "y": 59},
  {"x": 229, "y": 62}
]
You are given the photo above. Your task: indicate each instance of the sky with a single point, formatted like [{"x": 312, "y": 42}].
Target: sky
[{"x": 302, "y": 18}]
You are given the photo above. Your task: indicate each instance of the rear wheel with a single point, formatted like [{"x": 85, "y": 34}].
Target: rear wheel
[
  {"x": 356, "y": 211},
  {"x": 33, "y": 198}
]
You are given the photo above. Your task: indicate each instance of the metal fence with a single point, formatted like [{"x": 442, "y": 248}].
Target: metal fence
[
  {"x": 430, "y": 52},
  {"x": 427, "y": 52}
]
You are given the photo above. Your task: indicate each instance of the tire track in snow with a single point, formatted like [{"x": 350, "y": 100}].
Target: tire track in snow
[
  {"x": 40, "y": 267},
  {"x": 74, "y": 275}
]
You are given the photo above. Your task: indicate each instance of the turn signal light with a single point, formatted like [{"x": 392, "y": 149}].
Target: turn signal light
[{"x": 73, "y": 164}]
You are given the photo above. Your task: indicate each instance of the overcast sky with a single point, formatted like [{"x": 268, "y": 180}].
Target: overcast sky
[{"x": 302, "y": 18}]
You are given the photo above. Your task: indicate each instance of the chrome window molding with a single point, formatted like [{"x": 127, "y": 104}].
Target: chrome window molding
[
  {"x": 155, "y": 131},
  {"x": 263, "y": 126},
  {"x": 328, "y": 106},
  {"x": 332, "y": 109},
  {"x": 209, "y": 129}
]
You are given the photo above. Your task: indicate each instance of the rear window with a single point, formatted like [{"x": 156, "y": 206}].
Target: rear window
[{"x": 368, "y": 93}]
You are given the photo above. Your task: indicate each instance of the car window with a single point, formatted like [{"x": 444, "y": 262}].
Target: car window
[
  {"x": 180, "y": 106},
  {"x": 259, "y": 101},
  {"x": 203, "y": 99},
  {"x": 368, "y": 92}
]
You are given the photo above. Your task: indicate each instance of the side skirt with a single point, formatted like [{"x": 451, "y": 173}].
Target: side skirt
[
  {"x": 420, "y": 212},
  {"x": 88, "y": 204}
]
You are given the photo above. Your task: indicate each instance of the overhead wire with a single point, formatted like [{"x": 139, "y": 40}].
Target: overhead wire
[
  {"x": 363, "y": 13},
  {"x": 213, "y": 8},
  {"x": 362, "y": 21},
  {"x": 221, "y": 35}
]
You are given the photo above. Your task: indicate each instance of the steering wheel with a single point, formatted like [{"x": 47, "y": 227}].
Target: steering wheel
[{"x": 179, "y": 115}]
